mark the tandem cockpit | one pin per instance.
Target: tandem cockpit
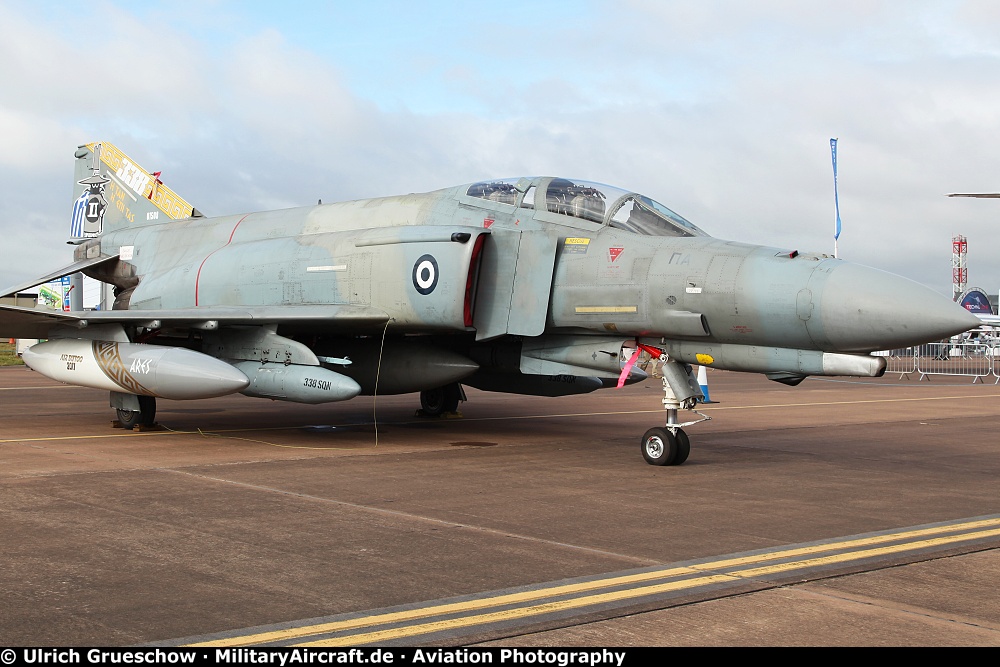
(594, 202)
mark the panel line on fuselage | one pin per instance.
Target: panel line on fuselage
(197, 277)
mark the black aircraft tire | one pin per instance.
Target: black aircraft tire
(659, 447)
(436, 402)
(683, 448)
(144, 416)
(129, 418)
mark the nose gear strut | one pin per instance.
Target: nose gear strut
(669, 445)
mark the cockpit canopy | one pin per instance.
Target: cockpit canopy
(594, 202)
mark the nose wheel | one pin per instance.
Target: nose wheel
(669, 445)
(683, 447)
(661, 447)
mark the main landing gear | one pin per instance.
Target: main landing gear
(139, 412)
(441, 401)
(669, 445)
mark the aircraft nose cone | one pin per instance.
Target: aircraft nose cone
(864, 309)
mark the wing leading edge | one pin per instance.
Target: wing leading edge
(19, 322)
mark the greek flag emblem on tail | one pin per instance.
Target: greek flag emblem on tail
(79, 213)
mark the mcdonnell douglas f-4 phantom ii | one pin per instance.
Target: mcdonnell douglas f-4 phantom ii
(536, 286)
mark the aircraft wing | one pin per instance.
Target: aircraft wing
(19, 322)
(981, 195)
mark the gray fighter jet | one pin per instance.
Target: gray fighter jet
(538, 286)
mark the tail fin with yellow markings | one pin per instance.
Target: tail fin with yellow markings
(111, 191)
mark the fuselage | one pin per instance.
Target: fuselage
(533, 286)
(588, 267)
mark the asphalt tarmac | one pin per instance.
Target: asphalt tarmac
(851, 513)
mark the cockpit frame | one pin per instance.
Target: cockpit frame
(583, 205)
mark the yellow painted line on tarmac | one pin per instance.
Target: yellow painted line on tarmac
(82, 437)
(148, 434)
(702, 408)
(481, 419)
(50, 386)
(924, 536)
(642, 591)
(88, 437)
(869, 553)
(438, 610)
(874, 400)
(850, 544)
(516, 613)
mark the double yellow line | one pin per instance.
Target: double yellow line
(568, 597)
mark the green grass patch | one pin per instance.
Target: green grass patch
(8, 355)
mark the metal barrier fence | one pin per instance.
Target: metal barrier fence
(976, 357)
(903, 362)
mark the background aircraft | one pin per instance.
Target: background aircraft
(539, 286)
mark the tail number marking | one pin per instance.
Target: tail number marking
(133, 176)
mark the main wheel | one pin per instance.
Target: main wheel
(436, 402)
(683, 448)
(659, 447)
(144, 416)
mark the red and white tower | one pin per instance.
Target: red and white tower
(959, 267)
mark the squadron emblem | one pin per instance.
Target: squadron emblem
(88, 212)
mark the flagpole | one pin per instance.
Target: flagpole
(836, 199)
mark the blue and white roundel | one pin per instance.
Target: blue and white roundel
(425, 274)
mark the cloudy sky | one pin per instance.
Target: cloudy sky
(722, 110)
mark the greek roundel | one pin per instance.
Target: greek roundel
(425, 274)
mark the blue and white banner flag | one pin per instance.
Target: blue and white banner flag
(836, 198)
(79, 208)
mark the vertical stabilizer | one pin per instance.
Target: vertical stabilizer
(111, 191)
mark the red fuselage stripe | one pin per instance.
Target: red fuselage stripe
(197, 278)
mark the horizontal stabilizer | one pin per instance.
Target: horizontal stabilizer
(75, 267)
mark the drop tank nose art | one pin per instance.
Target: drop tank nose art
(135, 368)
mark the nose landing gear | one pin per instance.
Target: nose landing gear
(661, 447)
(669, 445)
